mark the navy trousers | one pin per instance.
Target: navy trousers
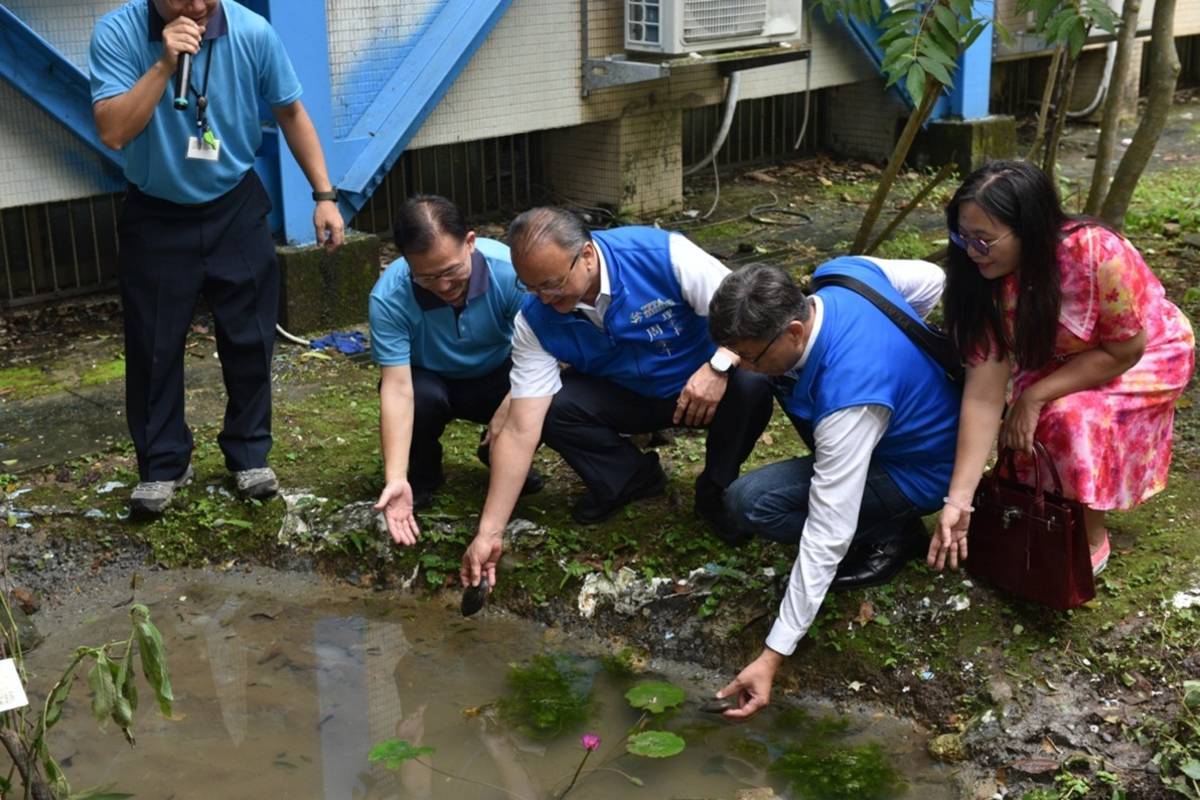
(589, 414)
(170, 256)
(436, 401)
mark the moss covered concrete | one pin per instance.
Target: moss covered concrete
(319, 291)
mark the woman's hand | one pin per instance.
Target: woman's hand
(950, 539)
(1021, 423)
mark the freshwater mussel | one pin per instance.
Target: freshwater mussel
(474, 597)
(719, 705)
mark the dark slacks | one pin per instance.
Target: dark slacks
(772, 501)
(436, 401)
(170, 255)
(589, 414)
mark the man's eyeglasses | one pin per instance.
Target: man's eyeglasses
(770, 344)
(433, 280)
(555, 288)
(978, 245)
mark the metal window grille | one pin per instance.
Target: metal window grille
(54, 250)
(763, 129)
(485, 178)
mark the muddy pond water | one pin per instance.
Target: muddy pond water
(283, 694)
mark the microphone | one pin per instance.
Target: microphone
(183, 78)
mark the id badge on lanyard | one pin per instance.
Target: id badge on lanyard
(204, 146)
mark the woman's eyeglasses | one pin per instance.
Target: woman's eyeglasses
(978, 245)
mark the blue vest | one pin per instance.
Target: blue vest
(859, 358)
(652, 340)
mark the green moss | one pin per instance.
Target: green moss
(818, 770)
(104, 372)
(548, 696)
(24, 383)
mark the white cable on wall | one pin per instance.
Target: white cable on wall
(731, 100)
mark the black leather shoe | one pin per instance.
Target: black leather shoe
(649, 482)
(533, 483)
(710, 506)
(874, 563)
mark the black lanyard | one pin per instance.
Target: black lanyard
(202, 95)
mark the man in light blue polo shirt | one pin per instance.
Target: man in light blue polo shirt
(441, 329)
(193, 221)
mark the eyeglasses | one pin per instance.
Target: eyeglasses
(555, 288)
(770, 344)
(978, 245)
(433, 280)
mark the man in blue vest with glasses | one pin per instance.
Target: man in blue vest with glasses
(877, 412)
(625, 310)
(194, 220)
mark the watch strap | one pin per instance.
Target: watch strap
(330, 195)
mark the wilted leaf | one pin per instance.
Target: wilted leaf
(104, 692)
(1191, 769)
(866, 613)
(655, 696)
(154, 657)
(655, 744)
(57, 698)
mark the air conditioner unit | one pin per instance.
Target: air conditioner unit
(687, 26)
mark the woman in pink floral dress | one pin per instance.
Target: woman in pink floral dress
(1096, 353)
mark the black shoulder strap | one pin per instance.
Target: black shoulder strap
(934, 343)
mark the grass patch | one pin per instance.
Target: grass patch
(1165, 197)
(104, 372)
(25, 383)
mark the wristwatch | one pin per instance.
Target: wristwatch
(721, 363)
(330, 195)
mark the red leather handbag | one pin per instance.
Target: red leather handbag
(1027, 541)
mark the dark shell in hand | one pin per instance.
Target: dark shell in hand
(720, 705)
(474, 597)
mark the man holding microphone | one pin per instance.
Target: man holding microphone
(194, 219)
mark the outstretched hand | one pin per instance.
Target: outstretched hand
(396, 503)
(752, 686)
(949, 541)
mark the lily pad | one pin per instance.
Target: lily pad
(394, 752)
(655, 744)
(655, 696)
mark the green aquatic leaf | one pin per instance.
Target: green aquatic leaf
(655, 696)
(655, 744)
(394, 752)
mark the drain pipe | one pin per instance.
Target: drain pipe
(1110, 58)
(731, 100)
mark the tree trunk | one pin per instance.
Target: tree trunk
(1164, 73)
(1066, 85)
(915, 120)
(1044, 108)
(1110, 125)
(20, 756)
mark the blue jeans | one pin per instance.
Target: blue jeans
(772, 502)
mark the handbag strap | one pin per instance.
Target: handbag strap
(1040, 456)
(934, 345)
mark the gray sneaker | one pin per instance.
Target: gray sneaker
(152, 497)
(257, 484)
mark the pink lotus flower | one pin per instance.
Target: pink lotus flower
(590, 741)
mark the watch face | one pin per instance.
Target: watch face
(720, 362)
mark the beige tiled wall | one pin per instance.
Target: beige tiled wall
(526, 76)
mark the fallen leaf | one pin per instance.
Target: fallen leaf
(1035, 766)
(762, 177)
(824, 181)
(866, 613)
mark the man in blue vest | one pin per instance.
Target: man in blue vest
(625, 310)
(441, 329)
(878, 414)
(194, 220)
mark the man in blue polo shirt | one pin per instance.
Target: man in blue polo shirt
(441, 329)
(878, 414)
(194, 220)
(625, 309)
